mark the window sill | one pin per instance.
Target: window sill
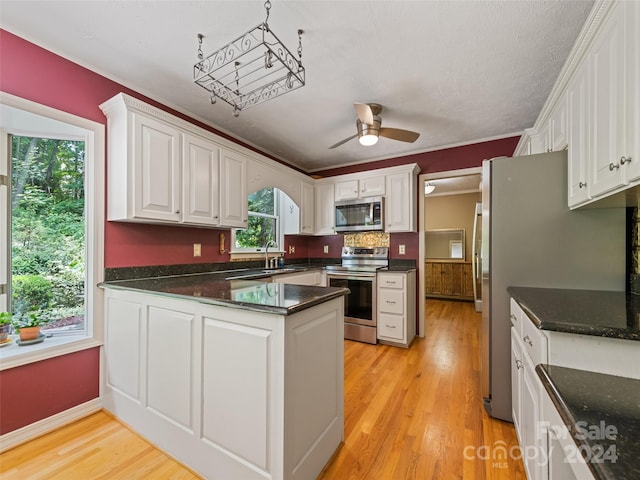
(13, 355)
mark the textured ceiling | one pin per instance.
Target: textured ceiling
(455, 71)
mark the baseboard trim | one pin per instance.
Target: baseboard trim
(46, 425)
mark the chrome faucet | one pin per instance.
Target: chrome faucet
(270, 243)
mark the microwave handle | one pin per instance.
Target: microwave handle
(371, 212)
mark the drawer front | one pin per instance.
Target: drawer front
(517, 316)
(391, 301)
(391, 281)
(535, 342)
(391, 326)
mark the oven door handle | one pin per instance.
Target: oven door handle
(352, 276)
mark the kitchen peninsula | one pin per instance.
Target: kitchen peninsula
(235, 378)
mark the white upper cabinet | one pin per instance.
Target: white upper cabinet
(156, 162)
(400, 202)
(307, 209)
(200, 179)
(164, 170)
(558, 126)
(607, 62)
(233, 189)
(325, 211)
(360, 188)
(631, 149)
(578, 136)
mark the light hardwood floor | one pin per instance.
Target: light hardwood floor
(409, 414)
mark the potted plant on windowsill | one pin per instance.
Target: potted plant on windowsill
(28, 325)
(5, 326)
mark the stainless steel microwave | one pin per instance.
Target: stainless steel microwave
(360, 215)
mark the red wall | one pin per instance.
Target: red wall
(39, 390)
(74, 89)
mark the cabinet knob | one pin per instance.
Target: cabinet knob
(518, 364)
(582, 184)
(624, 160)
(613, 166)
(513, 317)
(178, 211)
(528, 340)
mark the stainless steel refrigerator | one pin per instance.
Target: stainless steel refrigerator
(531, 238)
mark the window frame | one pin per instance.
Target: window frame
(93, 134)
(279, 237)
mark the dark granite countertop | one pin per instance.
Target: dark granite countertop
(602, 413)
(233, 289)
(588, 312)
(398, 268)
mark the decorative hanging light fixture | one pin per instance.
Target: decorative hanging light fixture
(253, 68)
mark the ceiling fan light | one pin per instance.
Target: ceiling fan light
(368, 140)
(428, 188)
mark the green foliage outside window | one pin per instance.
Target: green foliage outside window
(47, 226)
(262, 221)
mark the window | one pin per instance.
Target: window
(52, 225)
(272, 215)
(263, 222)
(46, 211)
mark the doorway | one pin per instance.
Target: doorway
(445, 186)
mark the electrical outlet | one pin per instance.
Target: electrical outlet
(197, 250)
(401, 250)
(292, 249)
(326, 249)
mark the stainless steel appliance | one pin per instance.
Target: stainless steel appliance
(360, 215)
(358, 274)
(531, 238)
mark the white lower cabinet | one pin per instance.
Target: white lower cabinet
(396, 307)
(564, 459)
(206, 383)
(316, 278)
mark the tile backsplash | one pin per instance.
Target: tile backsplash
(367, 239)
(633, 245)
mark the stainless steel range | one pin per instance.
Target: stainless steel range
(358, 274)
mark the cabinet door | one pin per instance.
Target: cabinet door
(346, 190)
(200, 181)
(631, 150)
(607, 62)
(558, 125)
(529, 420)
(156, 158)
(371, 187)
(400, 203)
(233, 190)
(432, 278)
(467, 280)
(579, 138)
(325, 209)
(307, 209)
(516, 380)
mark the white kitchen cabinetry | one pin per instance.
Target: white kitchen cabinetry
(315, 278)
(200, 181)
(558, 126)
(400, 203)
(163, 170)
(607, 61)
(564, 459)
(578, 136)
(360, 188)
(396, 307)
(528, 348)
(307, 209)
(206, 383)
(325, 209)
(233, 189)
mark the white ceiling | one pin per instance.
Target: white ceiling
(455, 71)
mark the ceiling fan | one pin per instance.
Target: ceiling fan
(369, 129)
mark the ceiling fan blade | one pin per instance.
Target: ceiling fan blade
(343, 141)
(399, 134)
(363, 110)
